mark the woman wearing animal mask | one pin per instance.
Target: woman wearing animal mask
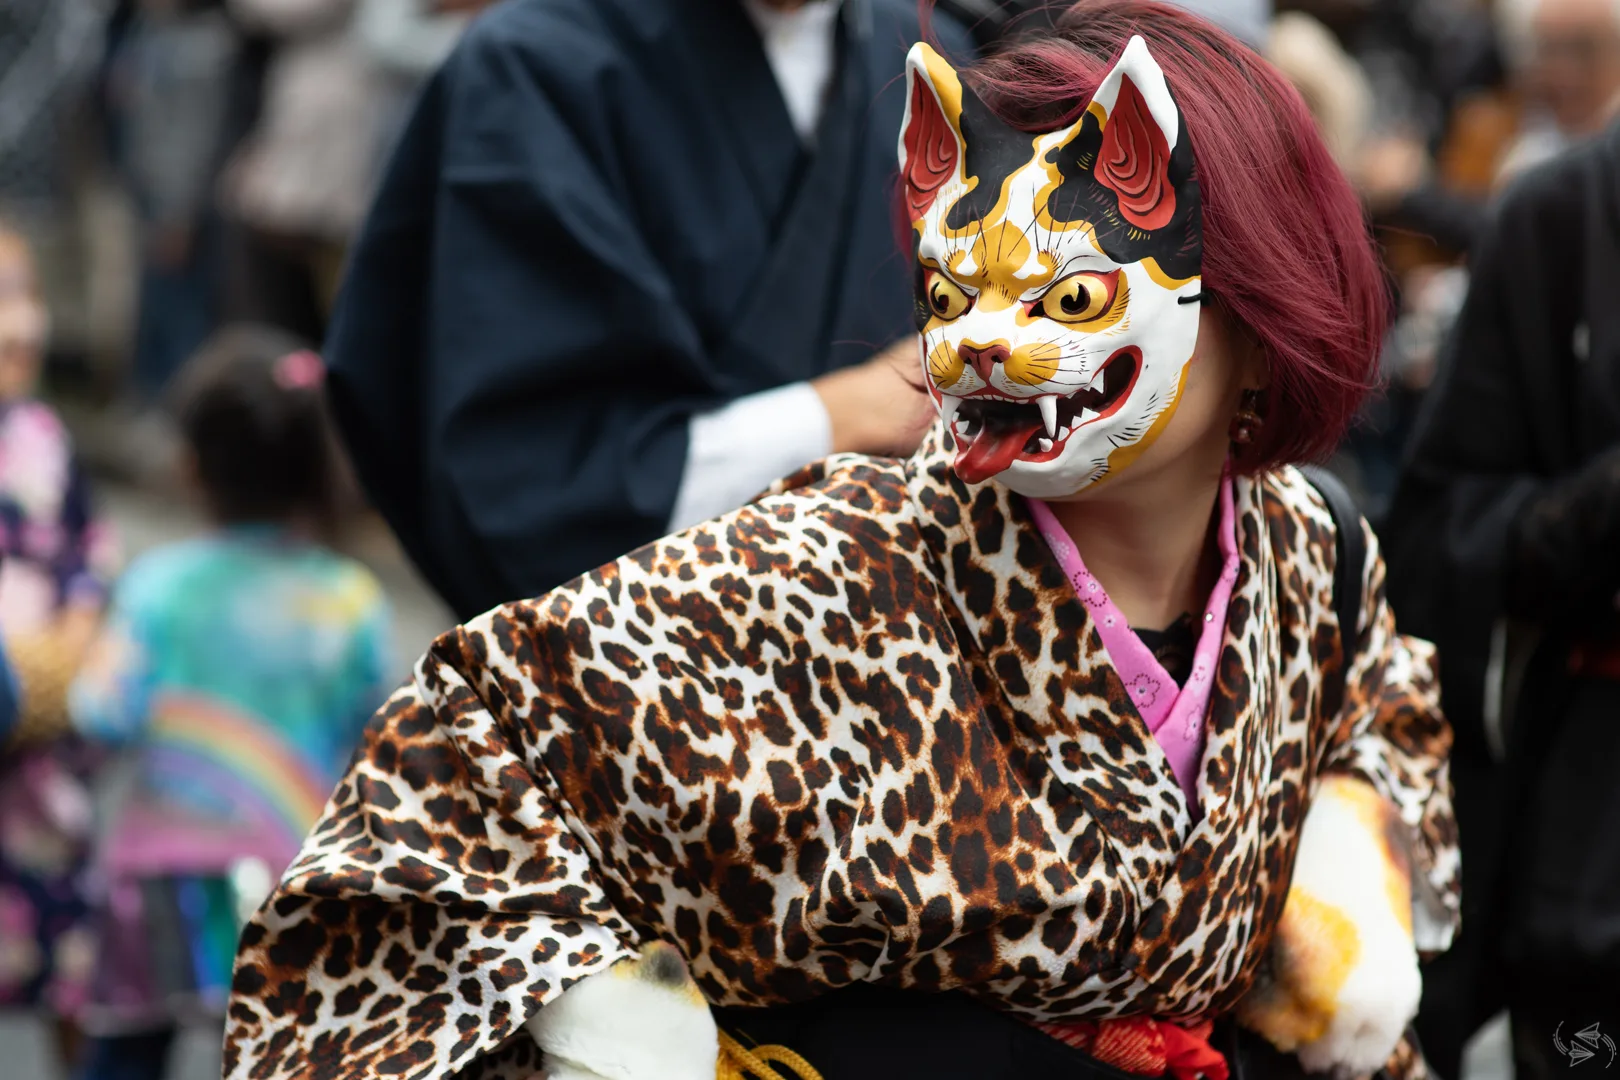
(1081, 742)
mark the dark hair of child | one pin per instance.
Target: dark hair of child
(251, 410)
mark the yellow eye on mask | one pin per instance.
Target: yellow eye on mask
(1079, 297)
(945, 298)
(1058, 272)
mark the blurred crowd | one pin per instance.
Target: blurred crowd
(180, 182)
(177, 183)
(237, 142)
(180, 165)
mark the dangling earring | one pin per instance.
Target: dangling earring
(1248, 419)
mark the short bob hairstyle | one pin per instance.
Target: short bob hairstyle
(1287, 252)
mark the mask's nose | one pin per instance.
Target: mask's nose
(984, 357)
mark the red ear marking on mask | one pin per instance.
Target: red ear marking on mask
(931, 150)
(1134, 162)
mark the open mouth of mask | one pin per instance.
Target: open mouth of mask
(994, 430)
(1058, 282)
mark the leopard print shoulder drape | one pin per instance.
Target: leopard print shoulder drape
(861, 729)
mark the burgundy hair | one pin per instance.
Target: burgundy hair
(1287, 254)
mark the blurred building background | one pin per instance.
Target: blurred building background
(182, 164)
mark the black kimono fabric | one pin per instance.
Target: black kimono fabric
(600, 221)
(1508, 511)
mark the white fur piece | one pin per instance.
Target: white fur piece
(1345, 981)
(638, 1020)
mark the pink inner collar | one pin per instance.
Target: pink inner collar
(1175, 715)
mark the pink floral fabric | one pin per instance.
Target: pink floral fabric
(1174, 714)
(53, 553)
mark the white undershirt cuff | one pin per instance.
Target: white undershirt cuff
(735, 452)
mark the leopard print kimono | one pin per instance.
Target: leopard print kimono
(861, 729)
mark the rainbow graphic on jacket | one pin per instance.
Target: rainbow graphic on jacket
(236, 762)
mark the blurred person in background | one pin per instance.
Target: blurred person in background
(1420, 56)
(55, 564)
(46, 46)
(169, 95)
(631, 262)
(1330, 80)
(1568, 56)
(296, 187)
(56, 554)
(1504, 549)
(48, 51)
(1428, 63)
(407, 40)
(1342, 100)
(9, 704)
(1550, 77)
(992, 21)
(237, 669)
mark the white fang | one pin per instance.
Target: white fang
(1048, 406)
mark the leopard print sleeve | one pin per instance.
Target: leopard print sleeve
(425, 919)
(1390, 732)
(660, 749)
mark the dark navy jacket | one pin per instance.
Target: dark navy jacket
(598, 222)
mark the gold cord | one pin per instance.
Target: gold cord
(738, 1062)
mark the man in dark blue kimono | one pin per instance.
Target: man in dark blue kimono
(632, 260)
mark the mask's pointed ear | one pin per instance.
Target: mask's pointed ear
(1141, 129)
(931, 145)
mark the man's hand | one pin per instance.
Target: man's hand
(878, 407)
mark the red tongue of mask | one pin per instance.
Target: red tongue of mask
(993, 449)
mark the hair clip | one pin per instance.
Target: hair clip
(1195, 298)
(301, 370)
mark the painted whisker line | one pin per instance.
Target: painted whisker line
(1052, 311)
(1024, 234)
